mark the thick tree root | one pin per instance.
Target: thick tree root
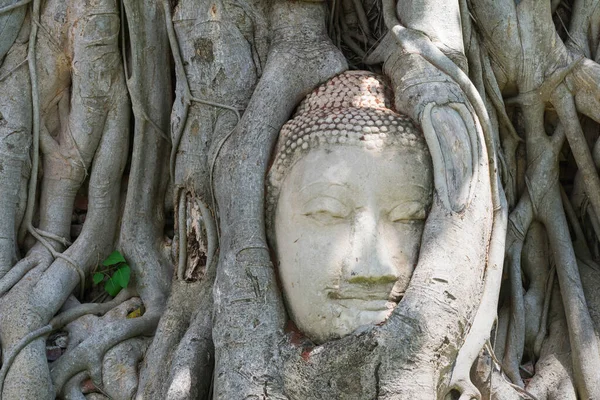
(88, 356)
(120, 368)
(483, 322)
(73, 387)
(414, 42)
(57, 323)
(35, 100)
(33, 260)
(302, 48)
(16, 349)
(179, 312)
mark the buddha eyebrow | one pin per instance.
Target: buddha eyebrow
(325, 185)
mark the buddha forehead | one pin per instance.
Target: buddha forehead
(389, 170)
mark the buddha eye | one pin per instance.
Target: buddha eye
(325, 209)
(408, 213)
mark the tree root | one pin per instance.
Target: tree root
(13, 6)
(73, 387)
(120, 368)
(57, 323)
(16, 67)
(547, 206)
(414, 42)
(16, 273)
(35, 100)
(564, 103)
(481, 328)
(183, 302)
(16, 349)
(89, 354)
(519, 222)
(543, 329)
(56, 282)
(499, 366)
(187, 98)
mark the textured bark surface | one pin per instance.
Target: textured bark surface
(147, 127)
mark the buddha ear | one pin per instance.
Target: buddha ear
(451, 135)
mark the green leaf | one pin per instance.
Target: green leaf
(98, 277)
(122, 275)
(112, 287)
(113, 259)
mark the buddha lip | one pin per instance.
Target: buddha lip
(362, 293)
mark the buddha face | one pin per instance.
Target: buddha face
(348, 227)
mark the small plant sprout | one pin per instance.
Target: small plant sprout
(114, 273)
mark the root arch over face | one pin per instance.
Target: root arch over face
(505, 92)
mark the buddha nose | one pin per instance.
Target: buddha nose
(371, 259)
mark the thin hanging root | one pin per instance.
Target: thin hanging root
(362, 17)
(57, 323)
(484, 319)
(493, 93)
(11, 7)
(9, 73)
(349, 41)
(547, 89)
(415, 42)
(211, 169)
(579, 241)
(215, 104)
(65, 318)
(48, 235)
(564, 103)
(182, 79)
(584, 344)
(520, 390)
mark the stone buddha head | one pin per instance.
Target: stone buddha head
(348, 193)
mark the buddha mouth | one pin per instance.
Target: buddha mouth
(381, 292)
